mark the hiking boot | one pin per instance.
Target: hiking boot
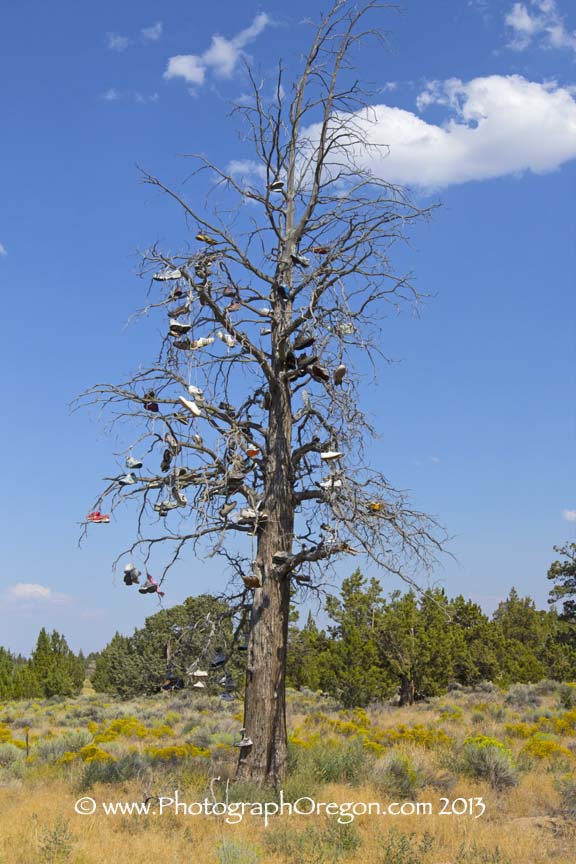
(132, 462)
(131, 574)
(306, 360)
(191, 406)
(179, 497)
(219, 660)
(339, 373)
(206, 238)
(281, 557)
(226, 509)
(183, 344)
(252, 581)
(302, 341)
(180, 310)
(173, 444)
(319, 373)
(150, 586)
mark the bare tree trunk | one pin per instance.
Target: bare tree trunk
(407, 690)
(265, 761)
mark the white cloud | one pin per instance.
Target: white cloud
(569, 515)
(3, 251)
(541, 21)
(26, 592)
(115, 42)
(153, 33)
(245, 168)
(499, 125)
(113, 95)
(221, 57)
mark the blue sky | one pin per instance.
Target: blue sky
(477, 103)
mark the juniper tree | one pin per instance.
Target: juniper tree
(251, 406)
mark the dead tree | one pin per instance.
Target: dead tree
(252, 401)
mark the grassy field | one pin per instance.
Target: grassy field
(514, 750)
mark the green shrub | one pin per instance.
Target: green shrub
(567, 696)
(523, 696)
(398, 848)
(318, 844)
(396, 775)
(487, 759)
(567, 789)
(126, 768)
(10, 755)
(55, 844)
(237, 852)
(52, 749)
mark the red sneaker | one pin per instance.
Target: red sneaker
(98, 517)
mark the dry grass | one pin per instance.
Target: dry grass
(337, 757)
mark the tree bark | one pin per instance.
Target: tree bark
(407, 690)
(265, 761)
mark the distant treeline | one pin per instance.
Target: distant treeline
(374, 646)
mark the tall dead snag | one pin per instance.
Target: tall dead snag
(252, 403)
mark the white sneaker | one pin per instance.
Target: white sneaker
(330, 483)
(339, 373)
(127, 480)
(178, 328)
(203, 342)
(199, 685)
(163, 506)
(132, 462)
(194, 391)
(191, 406)
(328, 455)
(167, 275)
(345, 329)
(227, 338)
(265, 310)
(276, 186)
